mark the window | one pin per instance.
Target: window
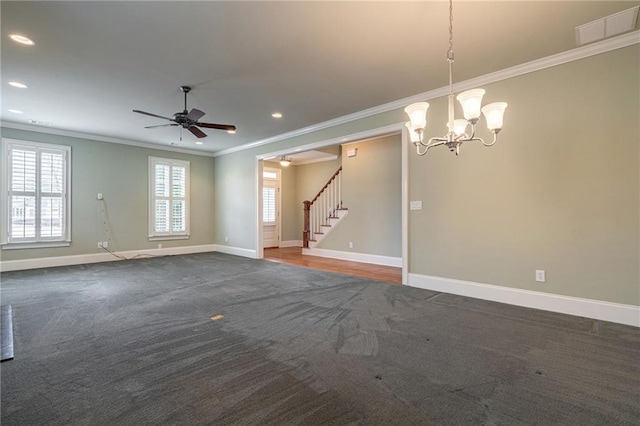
(168, 198)
(36, 186)
(268, 204)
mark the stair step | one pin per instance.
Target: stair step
(318, 233)
(343, 208)
(326, 226)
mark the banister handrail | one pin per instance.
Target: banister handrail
(329, 202)
(327, 184)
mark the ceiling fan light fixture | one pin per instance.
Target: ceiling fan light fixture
(188, 119)
(231, 132)
(277, 115)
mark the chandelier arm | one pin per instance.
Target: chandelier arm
(421, 153)
(495, 139)
(473, 130)
(435, 141)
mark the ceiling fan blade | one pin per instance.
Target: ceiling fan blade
(161, 125)
(217, 126)
(195, 114)
(152, 115)
(197, 132)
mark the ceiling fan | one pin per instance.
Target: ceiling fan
(188, 119)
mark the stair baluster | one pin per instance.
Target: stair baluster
(319, 211)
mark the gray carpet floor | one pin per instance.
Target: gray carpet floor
(132, 343)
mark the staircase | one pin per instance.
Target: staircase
(324, 212)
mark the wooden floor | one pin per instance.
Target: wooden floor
(294, 256)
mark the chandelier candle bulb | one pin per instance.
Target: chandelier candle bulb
(417, 115)
(471, 100)
(415, 138)
(494, 114)
(459, 126)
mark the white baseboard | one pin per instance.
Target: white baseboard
(81, 259)
(237, 251)
(356, 257)
(291, 243)
(589, 308)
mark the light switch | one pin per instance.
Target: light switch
(415, 205)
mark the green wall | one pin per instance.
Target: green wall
(120, 173)
(560, 191)
(371, 190)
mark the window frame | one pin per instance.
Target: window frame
(170, 235)
(8, 242)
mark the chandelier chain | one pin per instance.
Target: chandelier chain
(450, 52)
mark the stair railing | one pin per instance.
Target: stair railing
(322, 207)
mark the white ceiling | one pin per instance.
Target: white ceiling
(94, 62)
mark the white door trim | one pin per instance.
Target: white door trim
(392, 129)
(278, 181)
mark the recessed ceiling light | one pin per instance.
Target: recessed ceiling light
(15, 111)
(231, 132)
(17, 84)
(199, 143)
(41, 123)
(21, 39)
(276, 115)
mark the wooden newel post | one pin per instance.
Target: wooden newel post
(305, 232)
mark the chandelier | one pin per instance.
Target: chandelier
(471, 102)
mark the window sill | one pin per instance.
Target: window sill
(169, 237)
(27, 246)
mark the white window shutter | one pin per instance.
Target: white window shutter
(36, 192)
(169, 197)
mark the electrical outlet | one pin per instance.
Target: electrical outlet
(540, 276)
(159, 245)
(350, 244)
(226, 239)
(105, 244)
(99, 196)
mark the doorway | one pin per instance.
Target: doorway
(271, 207)
(397, 128)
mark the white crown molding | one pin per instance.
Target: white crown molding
(582, 52)
(588, 308)
(356, 257)
(83, 259)
(99, 138)
(359, 136)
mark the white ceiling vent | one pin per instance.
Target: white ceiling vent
(611, 25)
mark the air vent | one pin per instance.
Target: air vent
(609, 26)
